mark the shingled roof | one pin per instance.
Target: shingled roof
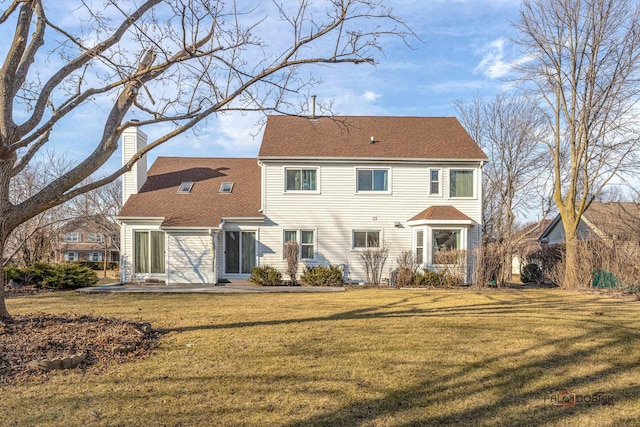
(203, 206)
(368, 137)
(440, 213)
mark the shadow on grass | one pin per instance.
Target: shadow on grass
(518, 398)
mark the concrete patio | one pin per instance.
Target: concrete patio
(238, 287)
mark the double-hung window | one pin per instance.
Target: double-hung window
(434, 182)
(149, 251)
(306, 242)
(71, 256)
(461, 183)
(366, 239)
(372, 180)
(72, 237)
(301, 179)
(95, 237)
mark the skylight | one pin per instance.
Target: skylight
(185, 187)
(226, 187)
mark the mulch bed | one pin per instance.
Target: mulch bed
(44, 336)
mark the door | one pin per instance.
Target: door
(240, 252)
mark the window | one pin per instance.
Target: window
(95, 237)
(434, 182)
(149, 251)
(226, 187)
(72, 237)
(419, 246)
(301, 180)
(307, 242)
(372, 180)
(461, 183)
(71, 256)
(366, 239)
(95, 256)
(185, 187)
(446, 244)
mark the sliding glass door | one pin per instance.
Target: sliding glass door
(240, 252)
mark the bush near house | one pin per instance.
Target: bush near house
(266, 276)
(531, 273)
(323, 276)
(60, 277)
(428, 278)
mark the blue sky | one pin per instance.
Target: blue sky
(465, 50)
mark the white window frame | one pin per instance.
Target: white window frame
(226, 188)
(67, 256)
(473, 184)
(439, 192)
(95, 237)
(363, 230)
(299, 241)
(372, 191)
(420, 243)
(73, 237)
(301, 168)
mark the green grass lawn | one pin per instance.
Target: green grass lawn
(361, 357)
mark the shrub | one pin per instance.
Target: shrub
(69, 276)
(11, 272)
(266, 276)
(323, 276)
(427, 278)
(531, 273)
(291, 252)
(58, 277)
(407, 267)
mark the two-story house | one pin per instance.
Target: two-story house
(337, 186)
(84, 239)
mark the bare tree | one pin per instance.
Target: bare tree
(582, 67)
(168, 61)
(507, 128)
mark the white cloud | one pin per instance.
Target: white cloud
(493, 64)
(370, 96)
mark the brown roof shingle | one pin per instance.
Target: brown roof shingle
(428, 138)
(441, 213)
(204, 206)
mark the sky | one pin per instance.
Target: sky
(463, 50)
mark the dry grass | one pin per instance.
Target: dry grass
(362, 357)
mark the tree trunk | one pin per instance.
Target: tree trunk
(571, 259)
(4, 314)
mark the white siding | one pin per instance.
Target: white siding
(338, 209)
(190, 258)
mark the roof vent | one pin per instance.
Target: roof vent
(226, 187)
(185, 187)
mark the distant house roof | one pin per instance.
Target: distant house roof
(610, 219)
(368, 137)
(204, 205)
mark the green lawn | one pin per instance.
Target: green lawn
(361, 357)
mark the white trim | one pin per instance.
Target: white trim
(440, 179)
(380, 232)
(298, 232)
(366, 160)
(419, 222)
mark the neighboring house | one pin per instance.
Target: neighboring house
(527, 243)
(337, 186)
(84, 240)
(610, 221)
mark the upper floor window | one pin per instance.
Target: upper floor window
(95, 237)
(372, 180)
(366, 239)
(301, 179)
(72, 237)
(434, 182)
(461, 183)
